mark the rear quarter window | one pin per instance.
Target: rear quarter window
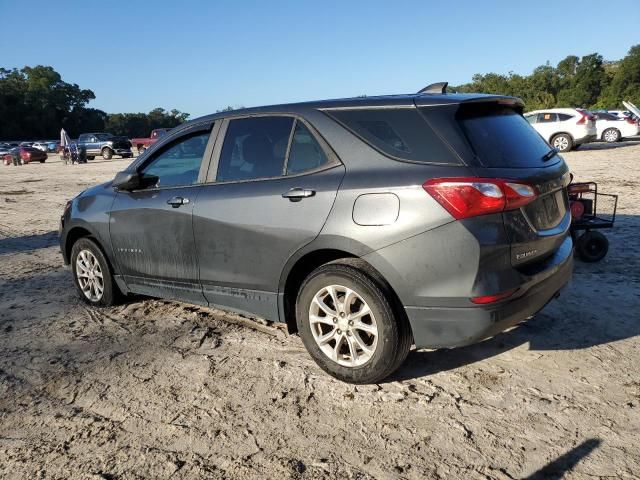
(401, 133)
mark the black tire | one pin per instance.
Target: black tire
(111, 295)
(141, 150)
(611, 135)
(562, 141)
(592, 246)
(394, 333)
(107, 153)
(90, 157)
(42, 161)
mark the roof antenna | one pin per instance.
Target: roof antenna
(440, 87)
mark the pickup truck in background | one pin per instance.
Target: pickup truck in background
(141, 144)
(104, 144)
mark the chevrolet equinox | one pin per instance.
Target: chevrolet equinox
(366, 224)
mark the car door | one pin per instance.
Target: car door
(547, 125)
(151, 229)
(271, 193)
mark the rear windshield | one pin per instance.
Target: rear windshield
(400, 133)
(501, 137)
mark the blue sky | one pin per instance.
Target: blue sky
(199, 56)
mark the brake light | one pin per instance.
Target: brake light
(493, 298)
(630, 120)
(584, 118)
(24, 154)
(473, 196)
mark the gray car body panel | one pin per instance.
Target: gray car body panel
(235, 244)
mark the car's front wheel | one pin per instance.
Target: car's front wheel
(611, 135)
(107, 153)
(92, 275)
(348, 324)
(562, 142)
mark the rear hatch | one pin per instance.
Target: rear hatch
(495, 141)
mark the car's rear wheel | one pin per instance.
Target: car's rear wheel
(107, 153)
(92, 274)
(562, 142)
(611, 135)
(42, 161)
(347, 322)
(90, 157)
(141, 149)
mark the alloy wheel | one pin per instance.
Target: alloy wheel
(343, 325)
(561, 143)
(89, 275)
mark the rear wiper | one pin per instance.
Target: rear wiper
(550, 154)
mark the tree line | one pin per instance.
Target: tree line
(588, 82)
(35, 103)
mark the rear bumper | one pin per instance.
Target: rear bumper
(436, 327)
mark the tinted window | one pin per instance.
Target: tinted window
(531, 118)
(400, 133)
(501, 137)
(564, 117)
(605, 116)
(254, 148)
(179, 163)
(305, 153)
(547, 117)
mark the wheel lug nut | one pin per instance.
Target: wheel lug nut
(335, 320)
(342, 314)
(349, 333)
(351, 323)
(339, 332)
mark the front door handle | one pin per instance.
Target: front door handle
(297, 194)
(175, 202)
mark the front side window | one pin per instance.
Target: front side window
(305, 153)
(254, 148)
(179, 163)
(531, 118)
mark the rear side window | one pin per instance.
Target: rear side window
(401, 133)
(563, 117)
(501, 137)
(254, 148)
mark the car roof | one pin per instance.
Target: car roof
(421, 99)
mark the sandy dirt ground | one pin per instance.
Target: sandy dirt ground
(159, 389)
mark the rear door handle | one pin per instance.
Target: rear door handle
(297, 194)
(176, 202)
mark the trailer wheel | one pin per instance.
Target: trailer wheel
(592, 246)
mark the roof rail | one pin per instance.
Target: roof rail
(440, 87)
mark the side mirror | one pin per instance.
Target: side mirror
(128, 181)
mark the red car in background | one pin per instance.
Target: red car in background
(25, 155)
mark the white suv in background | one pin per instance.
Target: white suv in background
(564, 128)
(612, 129)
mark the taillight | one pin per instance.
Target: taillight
(472, 196)
(630, 120)
(584, 118)
(25, 155)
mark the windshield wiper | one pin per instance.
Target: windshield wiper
(550, 154)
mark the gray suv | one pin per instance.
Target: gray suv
(366, 224)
